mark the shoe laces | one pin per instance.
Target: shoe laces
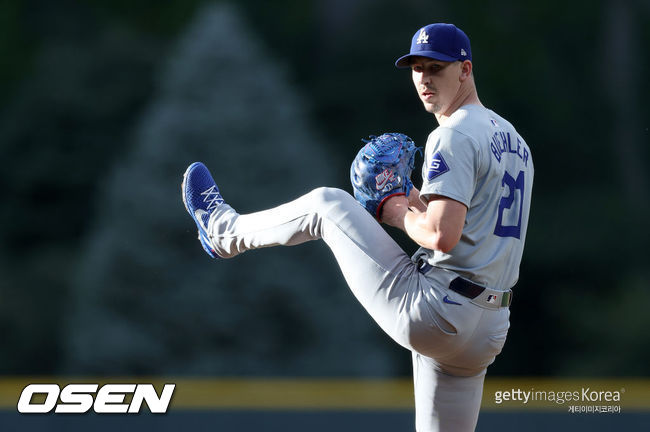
(212, 197)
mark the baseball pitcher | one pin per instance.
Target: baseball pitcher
(449, 303)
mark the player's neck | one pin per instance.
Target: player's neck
(466, 96)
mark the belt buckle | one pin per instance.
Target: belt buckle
(506, 299)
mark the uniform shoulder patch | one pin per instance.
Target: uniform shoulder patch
(438, 166)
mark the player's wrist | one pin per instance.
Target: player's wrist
(393, 211)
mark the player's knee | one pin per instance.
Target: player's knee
(325, 198)
(329, 194)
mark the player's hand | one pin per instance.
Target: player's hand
(415, 203)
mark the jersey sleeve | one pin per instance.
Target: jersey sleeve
(450, 166)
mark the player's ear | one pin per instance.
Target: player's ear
(465, 70)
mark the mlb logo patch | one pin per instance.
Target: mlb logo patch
(492, 299)
(438, 166)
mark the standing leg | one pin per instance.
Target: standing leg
(448, 389)
(444, 402)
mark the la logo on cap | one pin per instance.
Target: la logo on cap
(423, 37)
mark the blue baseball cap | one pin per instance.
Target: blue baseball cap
(439, 41)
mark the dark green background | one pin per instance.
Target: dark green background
(100, 269)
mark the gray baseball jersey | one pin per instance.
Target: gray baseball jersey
(477, 158)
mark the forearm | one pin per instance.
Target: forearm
(419, 230)
(437, 228)
(396, 208)
(399, 212)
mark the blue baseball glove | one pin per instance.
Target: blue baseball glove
(382, 169)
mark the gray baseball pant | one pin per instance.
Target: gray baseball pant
(451, 344)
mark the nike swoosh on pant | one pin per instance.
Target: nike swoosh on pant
(448, 301)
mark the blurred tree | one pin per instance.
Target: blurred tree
(62, 126)
(622, 80)
(148, 300)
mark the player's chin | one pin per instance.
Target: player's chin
(432, 108)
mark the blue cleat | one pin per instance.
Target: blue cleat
(201, 197)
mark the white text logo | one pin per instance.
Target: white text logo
(80, 398)
(558, 397)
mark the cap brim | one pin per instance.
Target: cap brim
(405, 61)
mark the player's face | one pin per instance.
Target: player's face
(436, 82)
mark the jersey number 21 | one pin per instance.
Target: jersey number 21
(506, 203)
